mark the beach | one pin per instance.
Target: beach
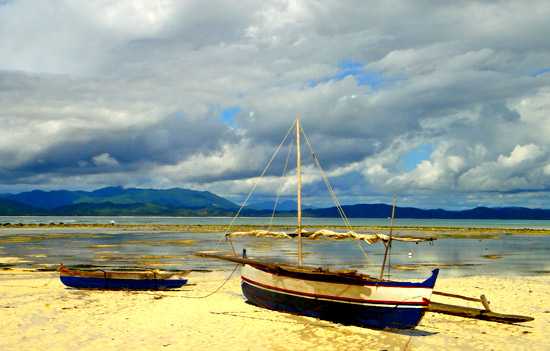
(39, 313)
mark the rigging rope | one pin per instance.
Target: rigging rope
(280, 190)
(345, 219)
(330, 189)
(256, 185)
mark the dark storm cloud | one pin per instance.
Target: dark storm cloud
(168, 141)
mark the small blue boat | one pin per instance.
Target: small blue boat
(130, 280)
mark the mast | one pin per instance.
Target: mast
(388, 244)
(299, 190)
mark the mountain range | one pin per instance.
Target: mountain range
(119, 201)
(113, 201)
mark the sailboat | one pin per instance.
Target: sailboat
(343, 296)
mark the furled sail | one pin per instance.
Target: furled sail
(329, 234)
(260, 233)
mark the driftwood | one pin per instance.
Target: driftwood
(469, 312)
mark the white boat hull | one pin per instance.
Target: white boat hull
(371, 304)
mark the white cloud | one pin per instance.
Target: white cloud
(105, 160)
(520, 154)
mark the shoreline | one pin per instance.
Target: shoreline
(435, 231)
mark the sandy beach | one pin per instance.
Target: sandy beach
(39, 313)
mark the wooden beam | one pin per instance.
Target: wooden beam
(485, 302)
(468, 312)
(456, 296)
(299, 192)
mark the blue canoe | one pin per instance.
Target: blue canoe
(131, 280)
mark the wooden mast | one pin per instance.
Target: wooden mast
(299, 191)
(388, 244)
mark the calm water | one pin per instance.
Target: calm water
(508, 255)
(475, 223)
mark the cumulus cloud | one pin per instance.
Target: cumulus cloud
(520, 154)
(104, 160)
(132, 92)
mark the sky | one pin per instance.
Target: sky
(442, 103)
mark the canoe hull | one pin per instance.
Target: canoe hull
(393, 306)
(131, 284)
(133, 280)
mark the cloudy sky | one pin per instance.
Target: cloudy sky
(444, 103)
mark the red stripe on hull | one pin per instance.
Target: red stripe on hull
(425, 302)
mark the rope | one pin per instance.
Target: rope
(256, 184)
(341, 212)
(280, 189)
(330, 189)
(217, 289)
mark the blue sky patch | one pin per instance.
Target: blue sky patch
(228, 115)
(541, 71)
(355, 69)
(411, 159)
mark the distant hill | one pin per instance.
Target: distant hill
(116, 201)
(384, 211)
(136, 209)
(175, 197)
(47, 199)
(14, 208)
(119, 201)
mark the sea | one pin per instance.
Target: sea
(44, 249)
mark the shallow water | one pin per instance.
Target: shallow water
(463, 223)
(507, 255)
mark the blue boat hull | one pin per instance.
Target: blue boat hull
(399, 317)
(132, 284)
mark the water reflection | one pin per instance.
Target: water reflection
(168, 250)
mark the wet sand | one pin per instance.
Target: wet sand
(39, 313)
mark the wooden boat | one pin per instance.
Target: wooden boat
(132, 280)
(346, 297)
(343, 296)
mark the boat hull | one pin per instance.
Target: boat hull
(133, 280)
(131, 284)
(374, 306)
